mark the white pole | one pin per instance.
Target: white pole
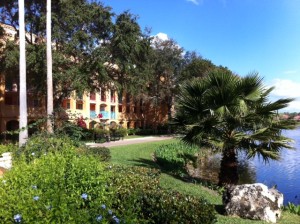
(49, 70)
(23, 135)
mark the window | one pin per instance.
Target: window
(120, 109)
(79, 105)
(92, 96)
(127, 109)
(66, 104)
(103, 95)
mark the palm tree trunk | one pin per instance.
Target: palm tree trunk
(49, 70)
(229, 168)
(23, 135)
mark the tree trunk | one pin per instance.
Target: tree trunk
(229, 168)
(49, 70)
(23, 91)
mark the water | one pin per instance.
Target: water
(285, 174)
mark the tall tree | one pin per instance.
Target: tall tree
(129, 48)
(23, 135)
(228, 114)
(49, 70)
(81, 31)
(166, 65)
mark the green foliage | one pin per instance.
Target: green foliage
(224, 111)
(101, 153)
(101, 131)
(56, 188)
(175, 156)
(138, 191)
(72, 130)
(292, 208)
(100, 135)
(227, 113)
(7, 148)
(43, 144)
(122, 132)
(132, 131)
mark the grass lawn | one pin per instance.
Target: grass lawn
(141, 155)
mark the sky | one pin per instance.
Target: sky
(246, 36)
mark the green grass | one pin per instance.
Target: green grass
(142, 155)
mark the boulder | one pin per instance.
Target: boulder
(253, 201)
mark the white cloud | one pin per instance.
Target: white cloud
(294, 106)
(196, 2)
(162, 36)
(285, 88)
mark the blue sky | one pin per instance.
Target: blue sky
(244, 35)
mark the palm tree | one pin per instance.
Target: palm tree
(23, 135)
(49, 70)
(227, 114)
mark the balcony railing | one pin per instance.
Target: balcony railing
(93, 114)
(112, 115)
(105, 114)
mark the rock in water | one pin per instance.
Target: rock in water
(253, 201)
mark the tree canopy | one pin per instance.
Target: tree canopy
(228, 113)
(86, 43)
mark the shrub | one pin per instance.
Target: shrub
(73, 131)
(42, 144)
(7, 148)
(100, 135)
(56, 188)
(174, 157)
(122, 132)
(137, 192)
(101, 153)
(132, 131)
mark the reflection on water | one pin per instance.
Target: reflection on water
(284, 174)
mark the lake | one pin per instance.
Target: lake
(285, 174)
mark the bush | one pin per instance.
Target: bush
(43, 144)
(137, 192)
(101, 135)
(101, 153)
(174, 157)
(72, 130)
(7, 148)
(56, 188)
(122, 132)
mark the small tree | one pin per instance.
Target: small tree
(228, 113)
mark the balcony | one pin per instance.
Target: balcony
(93, 114)
(112, 115)
(105, 114)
